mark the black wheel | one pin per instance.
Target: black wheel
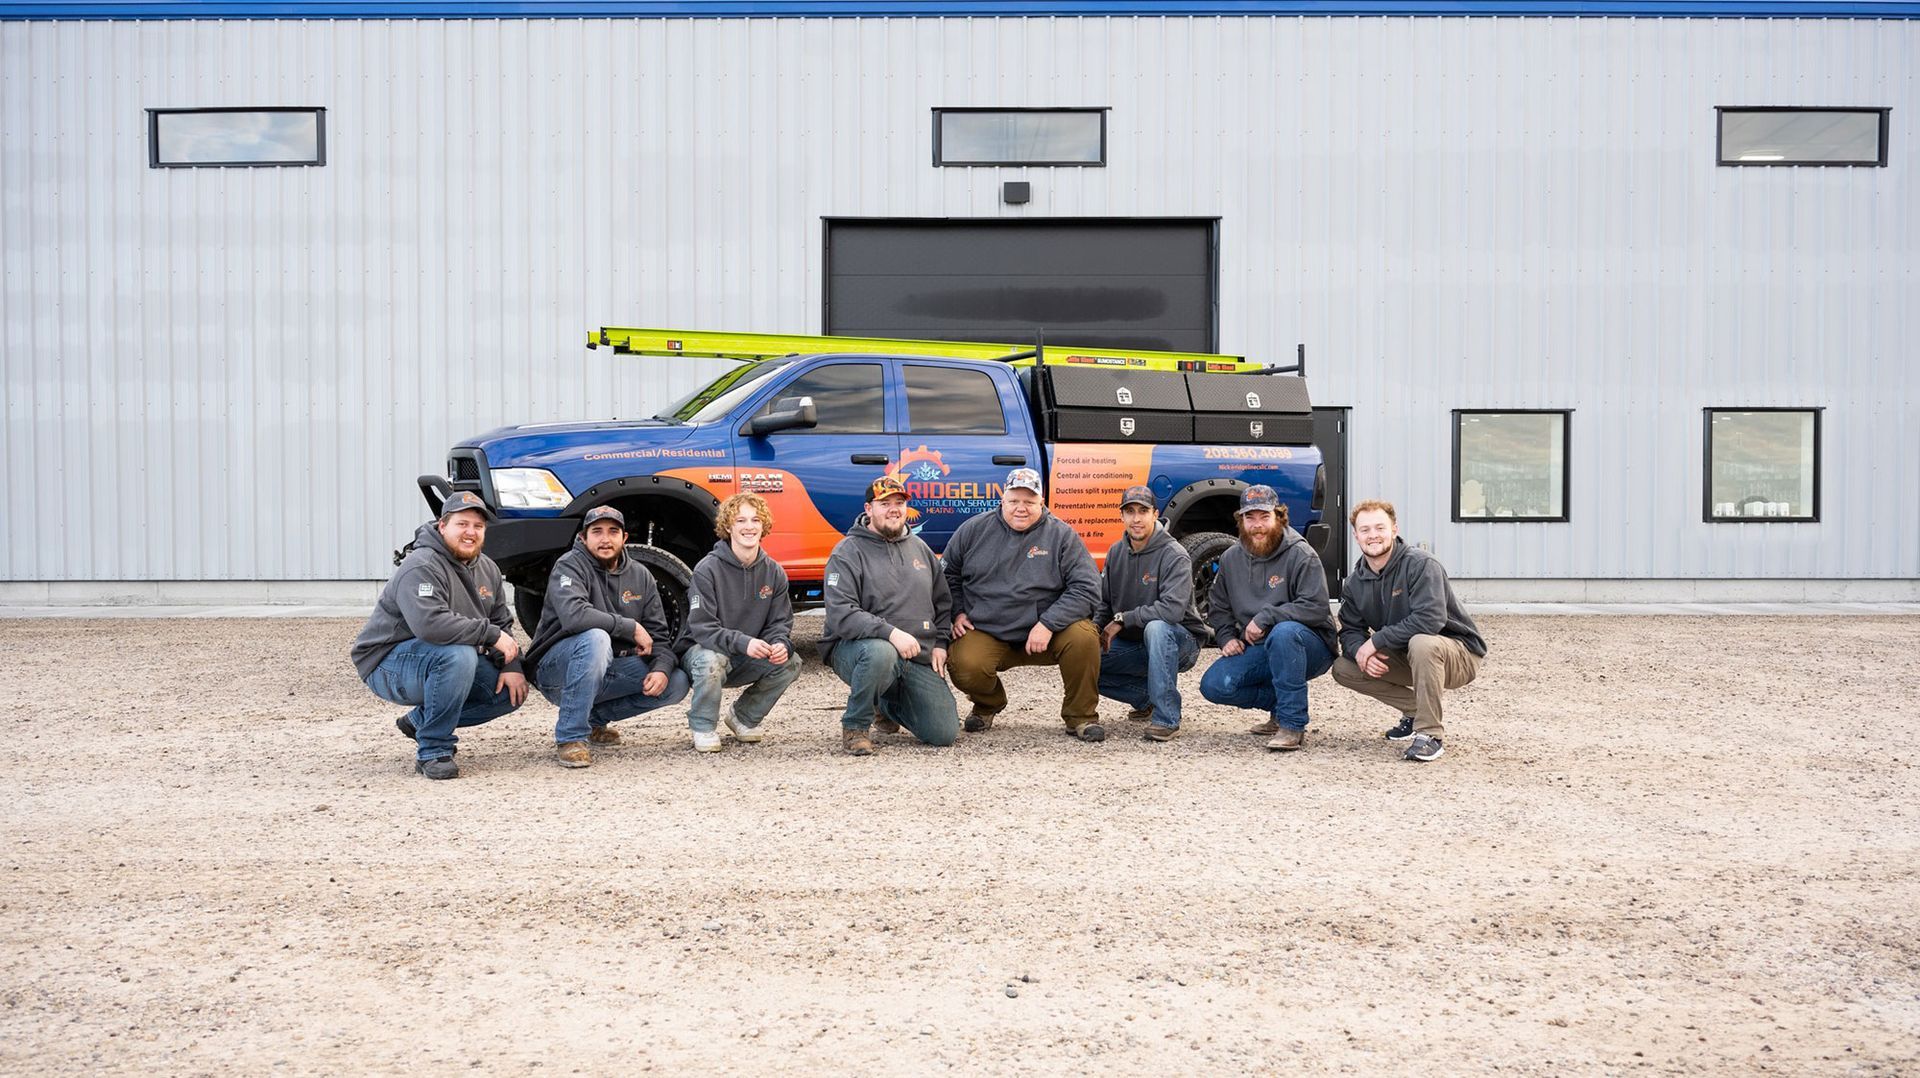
(1205, 549)
(673, 578)
(526, 606)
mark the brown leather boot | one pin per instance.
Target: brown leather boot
(1287, 740)
(856, 742)
(604, 735)
(1265, 729)
(572, 754)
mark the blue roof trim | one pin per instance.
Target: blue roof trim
(501, 9)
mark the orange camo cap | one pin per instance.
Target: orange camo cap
(885, 487)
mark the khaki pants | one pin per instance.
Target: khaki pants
(1414, 681)
(975, 660)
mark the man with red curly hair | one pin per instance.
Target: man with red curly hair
(739, 627)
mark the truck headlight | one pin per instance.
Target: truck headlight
(529, 488)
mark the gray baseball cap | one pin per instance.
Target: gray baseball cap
(462, 500)
(1139, 495)
(600, 513)
(1259, 496)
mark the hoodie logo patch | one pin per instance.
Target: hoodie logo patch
(693, 601)
(1037, 552)
(918, 565)
(485, 592)
(1399, 591)
(766, 591)
(426, 591)
(926, 626)
(1147, 578)
(833, 580)
(630, 597)
(1273, 581)
(566, 581)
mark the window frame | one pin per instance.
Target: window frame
(940, 111)
(1719, 138)
(1706, 467)
(319, 159)
(1566, 466)
(907, 424)
(766, 404)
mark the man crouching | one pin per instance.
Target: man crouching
(441, 637)
(598, 653)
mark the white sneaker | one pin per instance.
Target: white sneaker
(746, 735)
(706, 741)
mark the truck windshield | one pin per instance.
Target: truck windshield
(718, 397)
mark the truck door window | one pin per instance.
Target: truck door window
(948, 400)
(846, 395)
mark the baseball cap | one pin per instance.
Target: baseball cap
(1258, 496)
(461, 500)
(600, 513)
(885, 487)
(1139, 495)
(1023, 479)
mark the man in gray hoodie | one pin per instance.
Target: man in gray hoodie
(1406, 639)
(441, 637)
(889, 620)
(1272, 620)
(1148, 627)
(597, 653)
(1024, 591)
(739, 627)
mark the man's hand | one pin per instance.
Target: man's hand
(1107, 634)
(1038, 639)
(940, 661)
(777, 654)
(1369, 661)
(1254, 632)
(655, 684)
(642, 642)
(507, 646)
(515, 686)
(759, 649)
(1233, 647)
(962, 625)
(904, 643)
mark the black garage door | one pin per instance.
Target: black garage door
(1100, 283)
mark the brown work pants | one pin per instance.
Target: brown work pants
(1415, 681)
(976, 659)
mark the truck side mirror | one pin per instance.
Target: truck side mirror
(787, 414)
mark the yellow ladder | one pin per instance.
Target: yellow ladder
(626, 340)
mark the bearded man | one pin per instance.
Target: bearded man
(1272, 620)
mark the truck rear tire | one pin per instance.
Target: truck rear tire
(670, 574)
(1205, 549)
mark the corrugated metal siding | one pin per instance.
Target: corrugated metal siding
(235, 374)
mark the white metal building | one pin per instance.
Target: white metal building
(220, 382)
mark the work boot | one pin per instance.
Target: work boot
(884, 725)
(572, 754)
(1088, 731)
(979, 721)
(1265, 729)
(1157, 732)
(604, 735)
(440, 768)
(1140, 714)
(1287, 740)
(856, 742)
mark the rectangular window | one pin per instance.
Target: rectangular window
(1796, 136)
(1763, 464)
(964, 137)
(1510, 466)
(227, 138)
(847, 397)
(947, 400)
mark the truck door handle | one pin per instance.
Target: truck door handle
(1009, 459)
(869, 458)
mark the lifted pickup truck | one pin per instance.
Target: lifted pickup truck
(808, 422)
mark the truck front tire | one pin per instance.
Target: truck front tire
(670, 574)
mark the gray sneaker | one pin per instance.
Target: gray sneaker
(1425, 748)
(442, 768)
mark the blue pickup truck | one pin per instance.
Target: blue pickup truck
(809, 431)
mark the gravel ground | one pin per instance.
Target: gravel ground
(1677, 844)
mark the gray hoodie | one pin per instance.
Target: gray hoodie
(1153, 584)
(731, 604)
(1289, 584)
(875, 585)
(1408, 597)
(582, 595)
(436, 597)
(1005, 581)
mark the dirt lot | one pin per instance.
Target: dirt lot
(1678, 844)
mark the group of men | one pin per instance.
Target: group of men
(1016, 587)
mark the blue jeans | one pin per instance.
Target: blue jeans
(712, 671)
(447, 685)
(907, 692)
(1272, 675)
(1162, 653)
(592, 688)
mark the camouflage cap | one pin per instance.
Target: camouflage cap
(886, 487)
(1258, 497)
(1139, 495)
(603, 512)
(1023, 479)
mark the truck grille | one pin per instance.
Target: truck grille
(463, 469)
